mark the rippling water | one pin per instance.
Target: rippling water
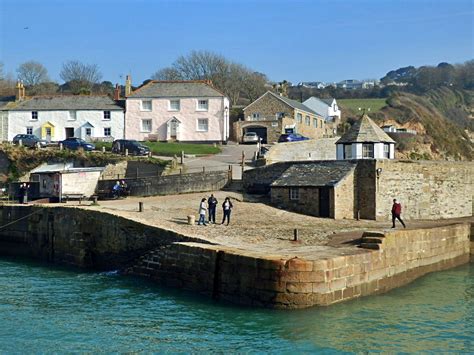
(45, 309)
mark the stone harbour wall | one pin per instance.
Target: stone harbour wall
(248, 278)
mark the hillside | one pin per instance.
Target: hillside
(441, 117)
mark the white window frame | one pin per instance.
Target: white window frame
(72, 115)
(29, 130)
(198, 125)
(107, 113)
(34, 116)
(386, 150)
(366, 150)
(294, 193)
(307, 120)
(315, 122)
(256, 116)
(143, 108)
(110, 132)
(198, 105)
(170, 107)
(90, 130)
(299, 117)
(144, 129)
(347, 148)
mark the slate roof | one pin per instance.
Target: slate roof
(5, 100)
(293, 103)
(365, 130)
(327, 101)
(176, 89)
(69, 102)
(316, 174)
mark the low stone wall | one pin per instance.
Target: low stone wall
(254, 279)
(172, 184)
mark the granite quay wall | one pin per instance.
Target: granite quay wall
(73, 236)
(257, 279)
(172, 184)
(426, 189)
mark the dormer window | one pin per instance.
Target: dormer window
(34, 115)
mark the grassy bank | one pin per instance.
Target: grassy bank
(169, 149)
(354, 104)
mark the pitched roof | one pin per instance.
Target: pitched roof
(293, 103)
(69, 102)
(327, 101)
(5, 100)
(176, 89)
(365, 130)
(315, 174)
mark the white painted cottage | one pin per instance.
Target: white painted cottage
(365, 140)
(55, 118)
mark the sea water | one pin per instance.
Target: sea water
(55, 310)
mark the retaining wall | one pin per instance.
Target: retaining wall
(261, 280)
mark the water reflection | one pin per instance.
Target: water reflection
(43, 309)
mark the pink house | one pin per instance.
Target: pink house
(186, 111)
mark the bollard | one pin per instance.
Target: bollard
(204, 170)
(61, 146)
(191, 220)
(20, 142)
(295, 235)
(94, 200)
(140, 207)
(126, 152)
(103, 149)
(182, 157)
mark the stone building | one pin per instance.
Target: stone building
(327, 108)
(272, 115)
(323, 190)
(365, 188)
(365, 140)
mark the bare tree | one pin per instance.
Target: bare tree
(167, 74)
(80, 76)
(32, 73)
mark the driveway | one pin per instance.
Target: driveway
(231, 154)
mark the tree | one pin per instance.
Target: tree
(233, 79)
(80, 76)
(32, 73)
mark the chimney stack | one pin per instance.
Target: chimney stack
(117, 92)
(128, 86)
(20, 91)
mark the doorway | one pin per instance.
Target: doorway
(324, 201)
(48, 134)
(69, 132)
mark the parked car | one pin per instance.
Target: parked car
(292, 137)
(77, 143)
(134, 147)
(250, 137)
(29, 140)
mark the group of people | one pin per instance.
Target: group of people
(120, 189)
(209, 207)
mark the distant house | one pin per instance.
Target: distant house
(389, 128)
(271, 115)
(186, 111)
(352, 84)
(312, 84)
(56, 118)
(327, 108)
(365, 140)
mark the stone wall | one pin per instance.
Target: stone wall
(342, 205)
(130, 169)
(308, 202)
(426, 189)
(257, 279)
(73, 236)
(172, 184)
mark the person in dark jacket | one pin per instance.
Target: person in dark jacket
(211, 205)
(227, 209)
(21, 192)
(396, 211)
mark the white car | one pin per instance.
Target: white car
(250, 137)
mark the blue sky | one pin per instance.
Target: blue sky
(299, 40)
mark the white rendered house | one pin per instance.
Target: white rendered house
(365, 140)
(55, 118)
(186, 111)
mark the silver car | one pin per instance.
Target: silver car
(250, 137)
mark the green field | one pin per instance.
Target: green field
(354, 104)
(170, 149)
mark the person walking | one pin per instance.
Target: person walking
(396, 211)
(227, 209)
(212, 204)
(21, 193)
(202, 212)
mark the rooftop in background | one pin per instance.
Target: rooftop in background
(195, 88)
(315, 174)
(65, 102)
(365, 130)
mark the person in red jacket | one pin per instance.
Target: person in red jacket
(396, 211)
